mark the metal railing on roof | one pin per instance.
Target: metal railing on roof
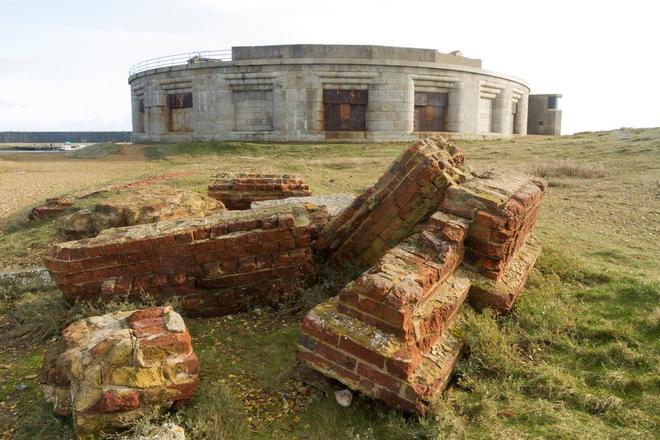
(200, 56)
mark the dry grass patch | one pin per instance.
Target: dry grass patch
(568, 168)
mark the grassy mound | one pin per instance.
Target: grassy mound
(96, 151)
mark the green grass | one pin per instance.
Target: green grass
(96, 151)
(578, 357)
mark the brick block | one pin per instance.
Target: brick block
(238, 191)
(404, 193)
(101, 375)
(235, 249)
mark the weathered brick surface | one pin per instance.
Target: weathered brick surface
(387, 333)
(217, 265)
(377, 363)
(52, 208)
(106, 373)
(386, 213)
(503, 210)
(391, 333)
(238, 191)
(501, 294)
(406, 276)
(135, 206)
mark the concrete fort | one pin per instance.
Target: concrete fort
(323, 92)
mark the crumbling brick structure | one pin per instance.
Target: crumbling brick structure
(502, 209)
(110, 370)
(411, 189)
(135, 206)
(389, 333)
(392, 333)
(217, 265)
(238, 191)
(52, 208)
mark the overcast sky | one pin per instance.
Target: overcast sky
(63, 64)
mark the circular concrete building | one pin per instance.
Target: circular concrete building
(322, 92)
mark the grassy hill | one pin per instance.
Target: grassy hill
(579, 356)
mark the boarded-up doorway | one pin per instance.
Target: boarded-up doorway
(345, 110)
(430, 111)
(180, 109)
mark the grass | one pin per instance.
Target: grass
(578, 358)
(96, 151)
(568, 168)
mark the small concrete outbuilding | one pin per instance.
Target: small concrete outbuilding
(544, 115)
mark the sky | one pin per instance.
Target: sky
(64, 64)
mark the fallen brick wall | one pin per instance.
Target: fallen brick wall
(238, 191)
(52, 208)
(392, 333)
(382, 216)
(218, 264)
(502, 209)
(387, 294)
(113, 369)
(134, 207)
(389, 333)
(501, 294)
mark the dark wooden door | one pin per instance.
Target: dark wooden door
(430, 111)
(345, 110)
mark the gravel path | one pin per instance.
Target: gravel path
(334, 202)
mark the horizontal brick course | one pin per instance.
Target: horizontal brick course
(165, 259)
(386, 213)
(503, 209)
(238, 191)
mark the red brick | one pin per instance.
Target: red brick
(396, 401)
(111, 401)
(172, 342)
(359, 351)
(186, 390)
(146, 313)
(335, 356)
(314, 328)
(378, 377)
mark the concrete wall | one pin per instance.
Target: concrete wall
(275, 93)
(543, 120)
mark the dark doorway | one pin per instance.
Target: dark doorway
(180, 111)
(345, 110)
(514, 116)
(430, 111)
